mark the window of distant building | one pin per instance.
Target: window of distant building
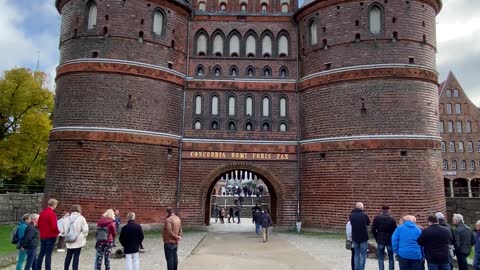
(468, 127)
(472, 165)
(92, 15)
(231, 106)
(463, 165)
(459, 127)
(232, 126)
(234, 45)
(158, 22)
(266, 46)
(198, 104)
(214, 105)
(283, 127)
(249, 106)
(445, 165)
(452, 147)
(214, 125)
(198, 125)
(284, 7)
(266, 126)
(201, 45)
(458, 108)
(243, 7)
(449, 108)
(450, 127)
(200, 71)
(251, 47)
(218, 45)
(460, 147)
(470, 146)
(444, 147)
(313, 32)
(264, 8)
(266, 107)
(376, 18)
(249, 126)
(201, 6)
(454, 164)
(448, 93)
(223, 7)
(283, 107)
(478, 146)
(441, 127)
(455, 93)
(283, 46)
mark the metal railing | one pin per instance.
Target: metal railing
(24, 189)
(462, 192)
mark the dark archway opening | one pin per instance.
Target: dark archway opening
(227, 189)
(446, 186)
(460, 187)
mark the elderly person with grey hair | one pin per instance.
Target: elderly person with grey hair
(131, 238)
(404, 244)
(359, 221)
(463, 241)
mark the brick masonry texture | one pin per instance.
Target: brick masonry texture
(109, 148)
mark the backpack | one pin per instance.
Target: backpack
(71, 235)
(14, 236)
(102, 234)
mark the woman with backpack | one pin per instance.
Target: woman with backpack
(75, 230)
(19, 233)
(105, 234)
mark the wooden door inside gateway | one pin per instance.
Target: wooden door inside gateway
(240, 187)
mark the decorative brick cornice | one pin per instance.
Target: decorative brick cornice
(179, 5)
(103, 136)
(242, 85)
(241, 18)
(99, 65)
(367, 73)
(240, 147)
(400, 144)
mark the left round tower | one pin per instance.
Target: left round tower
(118, 108)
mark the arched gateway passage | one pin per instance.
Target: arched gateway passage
(228, 183)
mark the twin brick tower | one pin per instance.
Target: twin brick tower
(329, 104)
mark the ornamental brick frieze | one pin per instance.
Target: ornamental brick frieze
(366, 74)
(370, 145)
(240, 147)
(242, 85)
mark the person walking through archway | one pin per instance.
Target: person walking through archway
(266, 223)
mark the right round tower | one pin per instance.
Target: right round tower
(368, 108)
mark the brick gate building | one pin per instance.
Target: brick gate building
(331, 103)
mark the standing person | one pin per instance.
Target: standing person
(131, 238)
(222, 215)
(404, 244)
(359, 221)
(172, 234)
(47, 225)
(436, 242)
(79, 225)
(476, 258)
(383, 227)
(348, 231)
(463, 241)
(230, 214)
(216, 212)
(443, 223)
(118, 221)
(254, 209)
(266, 222)
(237, 214)
(22, 226)
(29, 242)
(257, 219)
(106, 232)
(61, 236)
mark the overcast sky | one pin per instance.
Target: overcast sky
(30, 29)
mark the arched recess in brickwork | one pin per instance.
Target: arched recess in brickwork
(200, 44)
(267, 39)
(250, 44)
(271, 181)
(217, 45)
(283, 44)
(233, 44)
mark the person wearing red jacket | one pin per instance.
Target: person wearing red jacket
(104, 247)
(47, 225)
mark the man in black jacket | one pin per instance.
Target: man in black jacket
(383, 227)
(29, 242)
(464, 239)
(359, 221)
(131, 238)
(436, 241)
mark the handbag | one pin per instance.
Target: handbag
(348, 244)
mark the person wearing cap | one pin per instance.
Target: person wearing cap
(383, 227)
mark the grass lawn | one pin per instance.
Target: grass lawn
(5, 246)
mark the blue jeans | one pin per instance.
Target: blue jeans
(409, 264)
(171, 255)
(21, 259)
(31, 258)
(381, 254)
(432, 266)
(258, 228)
(46, 250)
(360, 255)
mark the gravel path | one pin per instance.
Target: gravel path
(152, 259)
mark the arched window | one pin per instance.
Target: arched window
(468, 127)
(218, 45)
(448, 93)
(450, 127)
(441, 128)
(234, 46)
(231, 125)
(249, 106)
(472, 165)
(460, 147)
(455, 93)
(458, 108)
(284, 7)
(313, 33)
(267, 46)
(452, 147)
(445, 165)
(248, 126)
(267, 72)
(470, 146)
(283, 127)
(214, 105)
(454, 164)
(201, 45)
(375, 19)
(449, 108)
(198, 125)
(200, 71)
(266, 126)
(463, 165)
(198, 104)
(283, 72)
(214, 125)
(223, 7)
(92, 15)
(250, 72)
(264, 7)
(283, 107)
(158, 19)
(243, 7)
(251, 47)
(459, 127)
(217, 71)
(231, 106)
(266, 107)
(233, 71)
(283, 46)
(444, 147)
(201, 6)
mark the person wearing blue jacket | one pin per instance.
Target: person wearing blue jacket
(404, 244)
(22, 254)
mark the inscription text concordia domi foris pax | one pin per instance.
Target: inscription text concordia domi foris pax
(237, 155)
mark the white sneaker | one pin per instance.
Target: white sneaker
(60, 250)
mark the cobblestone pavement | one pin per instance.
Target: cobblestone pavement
(152, 259)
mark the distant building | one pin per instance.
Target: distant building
(460, 130)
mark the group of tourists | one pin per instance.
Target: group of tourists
(246, 191)
(72, 230)
(262, 220)
(438, 243)
(233, 211)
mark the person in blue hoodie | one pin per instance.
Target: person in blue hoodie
(404, 244)
(22, 254)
